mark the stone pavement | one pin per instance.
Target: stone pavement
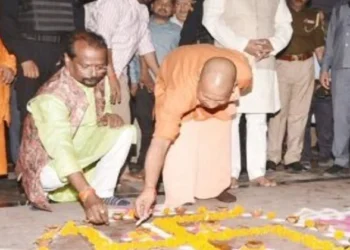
(20, 226)
(10, 195)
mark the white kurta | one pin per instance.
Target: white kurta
(264, 97)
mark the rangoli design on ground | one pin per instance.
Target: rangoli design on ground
(203, 230)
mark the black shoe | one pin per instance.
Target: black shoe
(325, 163)
(295, 167)
(335, 170)
(271, 165)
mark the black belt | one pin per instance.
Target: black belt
(42, 38)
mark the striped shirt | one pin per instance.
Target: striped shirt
(124, 26)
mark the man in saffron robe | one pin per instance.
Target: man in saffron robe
(195, 93)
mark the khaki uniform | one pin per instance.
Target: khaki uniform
(295, 72)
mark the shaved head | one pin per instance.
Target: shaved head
(217, 82)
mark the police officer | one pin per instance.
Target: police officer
(295, 71)
(321, 109)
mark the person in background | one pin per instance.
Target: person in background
(7, 75)
(165, 38)
(321, 108)
(296, 78)
(195, 95)
(124, 25)
(182, 8)
(73, 146)
(239, 25)
(193, 31)
(37, 41)
(337, 59)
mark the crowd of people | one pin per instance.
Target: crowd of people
(76, 75)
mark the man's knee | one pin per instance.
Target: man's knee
(129, 134)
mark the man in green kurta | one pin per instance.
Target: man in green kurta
(73, 146)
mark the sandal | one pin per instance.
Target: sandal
(128, 177)
(115, 201)
(263, 182)
(138, 175)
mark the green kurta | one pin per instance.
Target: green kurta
(71, 153)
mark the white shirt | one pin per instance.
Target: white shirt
(317, 68)
(174, 19)
(124, 26)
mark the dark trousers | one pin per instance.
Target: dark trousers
(15, 127)
(143, 112)
(322, 109)
(46, 56)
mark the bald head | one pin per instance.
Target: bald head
(217, 81)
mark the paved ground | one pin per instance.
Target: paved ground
(20, 226)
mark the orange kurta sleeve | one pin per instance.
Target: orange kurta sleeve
(6, 58)
(172, 102)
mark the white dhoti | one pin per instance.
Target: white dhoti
(256, 146)
(103, 177)
(263, 99)
(198, 163)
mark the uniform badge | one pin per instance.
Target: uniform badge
(310, 25)
(309, 21)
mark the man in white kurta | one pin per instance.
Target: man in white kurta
(247, 26)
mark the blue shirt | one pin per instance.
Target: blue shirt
(165, 38)
(337, 54)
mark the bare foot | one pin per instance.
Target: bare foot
(234, 183)
(263, 182)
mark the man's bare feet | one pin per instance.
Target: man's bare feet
(234, 183)
(263, 182)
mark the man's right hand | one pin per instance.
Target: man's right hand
(254, 48)
(147, 81)
(325, 80)
(114, 84)
(95, 210)
(6, 74)
(111, 120)
(144, 202)
(30, 69)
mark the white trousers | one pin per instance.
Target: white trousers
(106, 172)
(256, 146)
